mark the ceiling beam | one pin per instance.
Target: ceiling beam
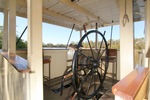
(54, 14)
(50, 21)
(47, 21)
(60, 24)
(51, 13)
(1, 9)
(81, 10)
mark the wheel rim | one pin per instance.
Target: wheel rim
(88, 73)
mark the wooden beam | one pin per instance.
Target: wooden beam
(81, 10)
(5, 25)
(77, 27)
(147, 33)
(61, 24)
(54, 14)
(12, 26)
(59, 16)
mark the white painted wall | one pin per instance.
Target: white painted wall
(58, 62)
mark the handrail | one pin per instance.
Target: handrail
(19, 63)
(133, 86)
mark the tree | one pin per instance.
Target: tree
(139, 43)
(21, 44)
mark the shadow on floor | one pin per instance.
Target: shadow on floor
(52, 90)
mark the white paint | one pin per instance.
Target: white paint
(5, 29)
(12, 26)
(58, 62)
(34, 12)
(118, 98)
(147, 32)
(147, 38)
(126, 39)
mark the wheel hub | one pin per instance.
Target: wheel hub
(95, 65)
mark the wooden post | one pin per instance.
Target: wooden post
(126, 38)
(80, 34)
(34, 12)
(12, 26)
(147, 32)
(5, 29)
(147, 37)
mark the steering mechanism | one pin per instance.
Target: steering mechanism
(88, 70)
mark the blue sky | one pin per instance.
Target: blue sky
(59, 35)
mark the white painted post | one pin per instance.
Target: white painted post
(80, 34)
(147, 38)
(5, 28)
(12, 26)
(9, 42)
(34, 12)
(147, 31)
(126, 39)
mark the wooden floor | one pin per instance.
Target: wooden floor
(52, 91)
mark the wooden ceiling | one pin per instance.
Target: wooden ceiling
(80, 12)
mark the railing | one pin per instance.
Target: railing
(13, 72)
(134, 86)
(140, 58)
(59, 56)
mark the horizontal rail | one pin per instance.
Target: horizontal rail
(19, 63)
(133, 86)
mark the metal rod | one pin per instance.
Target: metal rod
(96, 37)
(21, 35)
(84, 28)
(111, 34)
(70, 35)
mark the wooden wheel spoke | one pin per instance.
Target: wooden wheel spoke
(85, 56)
(90, 47)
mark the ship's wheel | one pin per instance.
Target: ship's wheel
(89, 71)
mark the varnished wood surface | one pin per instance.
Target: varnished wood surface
(129, 86)
(19, 63)
(46, 59)
(112, 52)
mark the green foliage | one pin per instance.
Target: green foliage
(115, 44)
(21, 44)
(139, 43)
(55, 46)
